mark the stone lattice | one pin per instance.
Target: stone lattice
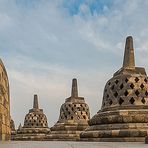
(126, 90)
(35, 124)
(5, 130)
(124, 112)
(74, 111)
(35, 120)
(74, 115)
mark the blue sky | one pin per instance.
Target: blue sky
(95, 6)
(46, 43)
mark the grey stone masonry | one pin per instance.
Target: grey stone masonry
(124, 112)
(35, 125)
(73, 119)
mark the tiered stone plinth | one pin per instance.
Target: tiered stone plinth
(35, 125)
(74, 114)
(5, 131)
(124, 112)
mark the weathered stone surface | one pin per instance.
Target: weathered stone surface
(146, 139)
(12, 126)
(124, 112)
(72, 144)
(5, 131)
(129, 61)
(73, 119)
(35, 124)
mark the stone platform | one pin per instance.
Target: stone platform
(69, 131)
(67, 144)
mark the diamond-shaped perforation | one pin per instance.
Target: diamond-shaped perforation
(107, 95)
(136, 79)
(143, 101)
(132, 86)
(145, 80)
(126, 80)
(121, 101)
(146, 93)
(110, 102)
(112, 88)
(126, 93)
(109, 83)
(121, 86)
(132, 100)
(84, 117)
(137, 93)
(117, 81)
(116, 94)
(142, 86)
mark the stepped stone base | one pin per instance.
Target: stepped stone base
(117, 126)
(34, 134)
(123, 139)
(28, 137)
(66, 132)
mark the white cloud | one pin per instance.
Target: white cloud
(53, 84)
(44, 47)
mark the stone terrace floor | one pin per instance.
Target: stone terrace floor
(50, 144)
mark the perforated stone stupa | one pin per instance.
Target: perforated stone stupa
(5, 131)
(73, 119)
(35, 124)
(124, 112)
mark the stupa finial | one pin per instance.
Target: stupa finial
(20, 126)
(74, 90)
(129, 60)
(35, 102)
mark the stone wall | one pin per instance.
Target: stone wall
(4, 104)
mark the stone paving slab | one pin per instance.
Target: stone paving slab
(51, 144)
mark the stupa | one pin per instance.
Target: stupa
(35, 124)
(73, 119)
(124, 112)
(5, 131)
(12, 126)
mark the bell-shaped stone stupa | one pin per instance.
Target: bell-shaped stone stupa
(124, 112)
(35, 124)
(73, 119)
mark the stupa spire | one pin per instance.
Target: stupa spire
(74, 90)
(35, 102)
(129, 60)
(20, 126)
